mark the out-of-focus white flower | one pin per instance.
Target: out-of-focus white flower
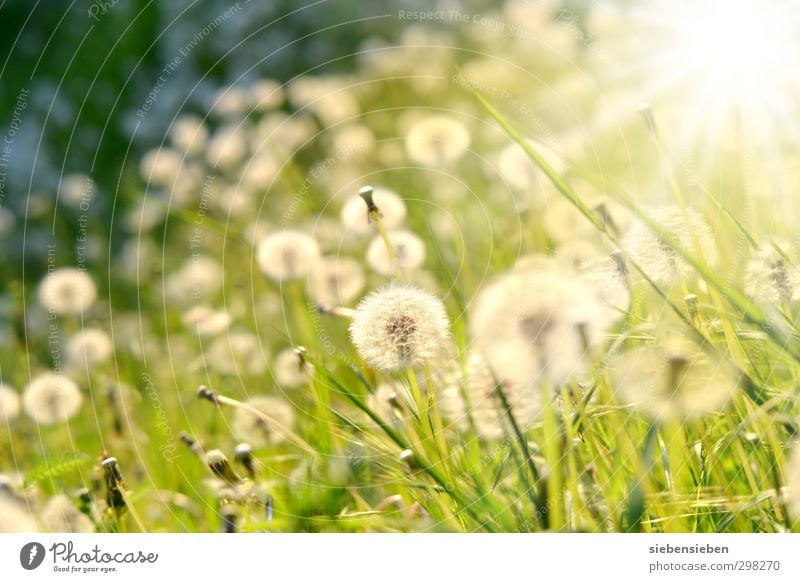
(227, 148)
(189, 134)
(250, 428)
(399, 326)
(200, 277)
(266, 94)
(61, 516)
(470, 397)
(289, 370)
(662, 263)
(206, 321)
(160, 166)
(539, 321)
(51, 398)
(672, 381)
(67, 291)
(408, 248)
(238, 352)
(769, 279)
(89, 347)
(353, 141)
(287, 254)
(437, 141)
(76, 190)
(231, 101)
(15, 517)
(9, 404)
(336, 281)
(355, 217)
(146, 214)
(330, 97)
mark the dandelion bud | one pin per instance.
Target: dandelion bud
(380, 203)
(230, 513)
(407, 457)
(398, 327)
(244, 454)
(206, 393)
(218, 463)
(269, 507)
(114, 483)
(366, 195)
(190, 442)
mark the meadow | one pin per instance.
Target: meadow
(485, 280)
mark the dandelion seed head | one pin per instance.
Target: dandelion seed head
(206, 321)
(60, 515)
(540, 318)
(672, 380)
(769, 278)
(227, 148)
(471, 395)
(287, 255)
(189, 134)
(201, 277)
(238, 352)
(336, 281)
(76, 189)
(160, 166)
(9, 404)
(327, 96)
(355, 217)
(437, 141)
(663, 264)
(289, 370)
(266, 94)
(14, 516)
(51, 398)
(67, 291)
(146, 214)
(399, 326)
(89, 347)
(248, 427)
(231, 101)
(408, 248)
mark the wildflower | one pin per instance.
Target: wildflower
(539, 319)
(89, 347)
(76, 190)
(60, 515)
(662, 263)
(67, 291)
(227, 148)
(399, 326)
(355, 215)
(290, 370)
(200, 277)
(471, 396)
(51, 398)
(253, 429)
(437, 141)
(145, 215)
(14, 516)
(287, 254)
(9, 404)
(336, 281)
(205, 321)
(409, 251)
(189, 134)
(769, 279)
(672, 381)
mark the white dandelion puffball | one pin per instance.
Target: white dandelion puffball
(89, 347)
(409, 250)
(437, 141)
(663, 264)
(287, 255)
(15, 517)
(266, 94)
(251, 428)
(60, 515)
(238, 352)
(189, 134)
(471, 395)
(76, 190)
(672, 381)
(67, 291)
(355, 217)
(289, 370)
(399, 326)
(793, 481)
(206, 321)
(51, 398)
(227, 148)
(609, 277)
(200, 277)
(769, 279)
(336, 281)
(541, 318)
(160, 166)
(9, 404)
